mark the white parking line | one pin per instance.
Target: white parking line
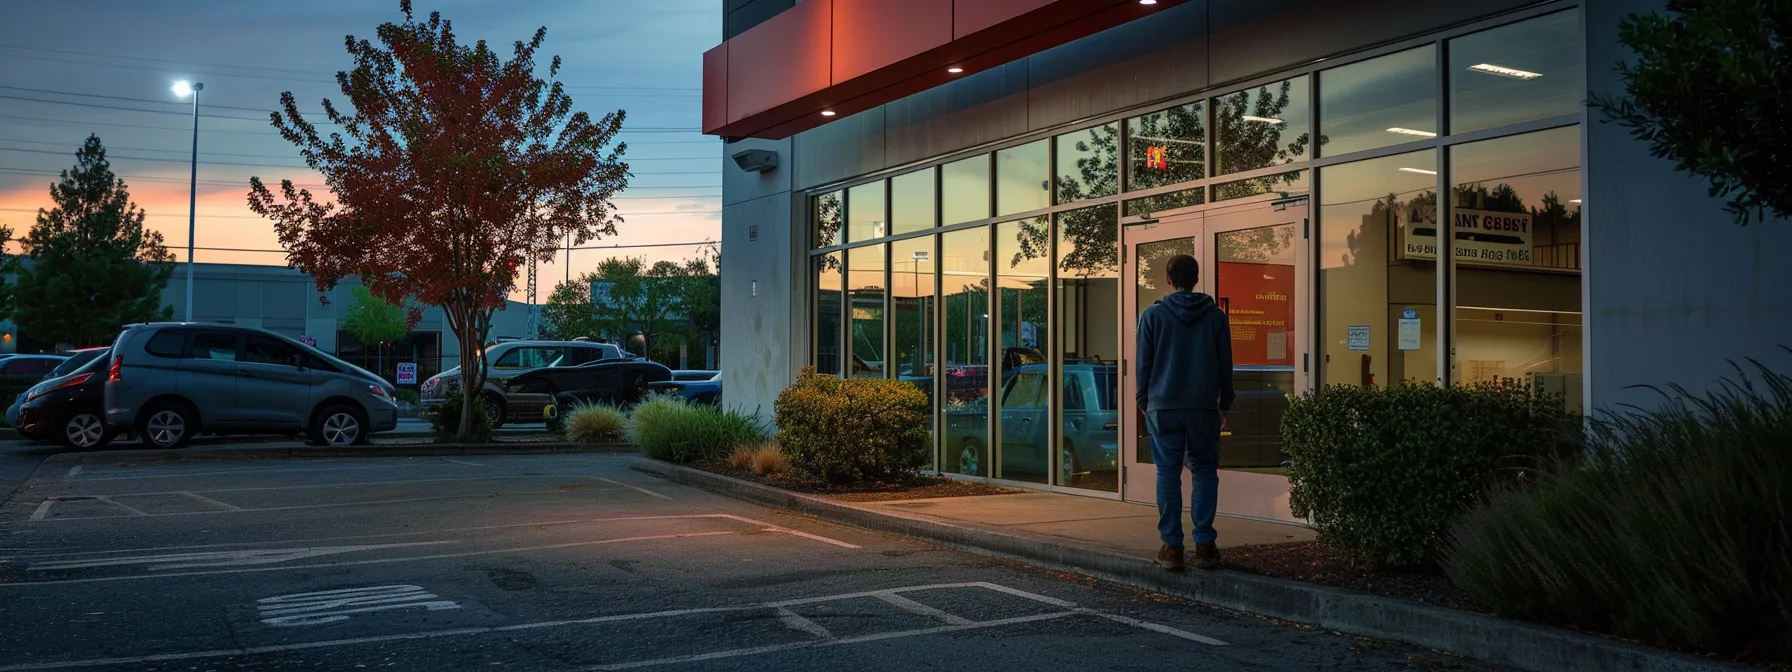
(207, 500)
(774, 528)
(636, 488)
(91, 478)
(301, 507)
(463, 462)
(134, 512)
(221, 558)
(42, 510)
(72, 471)
(780, 607)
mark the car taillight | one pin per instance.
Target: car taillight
(71, 382)
(116, 372)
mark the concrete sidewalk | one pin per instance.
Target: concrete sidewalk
(1122, 528)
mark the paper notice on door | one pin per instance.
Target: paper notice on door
(1409, 333)
(1278, 346)
(1358, 336)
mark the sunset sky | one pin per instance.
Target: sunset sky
(70, 69)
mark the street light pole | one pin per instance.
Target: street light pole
(183, 89)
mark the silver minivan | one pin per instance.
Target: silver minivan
(169, 382)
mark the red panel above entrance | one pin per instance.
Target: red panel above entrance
(847, 56)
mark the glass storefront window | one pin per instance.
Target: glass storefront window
(865, 311)
(912, 307)
(829, 215)
(1088, 267)
(1254, 282)
(1089, 163)
(1286, 184)
(964, 280)
(1023, 269)
(865, 218)
(1166, 147)
(964, 190)
(1516, 73)
(1023, 178)
(911, 202)
(1518, 278)
(1379, 102)
(828, 285)
(1169, 201)
(1262, 127)
(1377, 250)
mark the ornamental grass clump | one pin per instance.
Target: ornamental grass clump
(594, 423)
(669, 428)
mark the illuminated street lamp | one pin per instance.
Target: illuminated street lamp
(183, 89)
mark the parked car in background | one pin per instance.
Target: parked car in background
(617, 382)
(75, 360)
(1089, 441)
(512, 358)
(36, 366)
(68, 409)
(169, 382)
(698, 387)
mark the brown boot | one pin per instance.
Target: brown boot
(1170, 558)
(1207, 556)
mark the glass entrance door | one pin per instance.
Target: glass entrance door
(1254, 263)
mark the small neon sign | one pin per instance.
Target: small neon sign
(1157, 157)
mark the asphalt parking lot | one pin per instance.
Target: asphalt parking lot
(550, 562)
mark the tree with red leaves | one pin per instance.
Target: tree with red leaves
(453, 170)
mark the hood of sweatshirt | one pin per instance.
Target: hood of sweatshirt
(1189, 307)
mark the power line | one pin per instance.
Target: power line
(176, 247)
(110, 155)
(625, 129)
(183, 215)
(276, 134)
(184, 150)
(327, 73)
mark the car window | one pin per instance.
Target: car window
(75, 361)
(219, 345)
(265, 350)
(1073, 392)
(1107, 388)
(1025, 391)
(531, 358)
(45, 366)
(167, 343)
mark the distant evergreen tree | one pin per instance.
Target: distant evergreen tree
(94, 268)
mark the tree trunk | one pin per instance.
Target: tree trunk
(470, 330)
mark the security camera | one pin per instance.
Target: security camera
(756, 160)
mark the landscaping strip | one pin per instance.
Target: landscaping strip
(1503, 642)
(265, 452)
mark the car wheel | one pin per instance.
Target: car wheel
(1072, 468)
(168, 425)
(970, 461)
(494, 410)
(339, 425)
(84, 430)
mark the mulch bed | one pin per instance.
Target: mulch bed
(1313, 562)
(921, 487)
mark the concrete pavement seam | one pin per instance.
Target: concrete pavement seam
(1479, 636)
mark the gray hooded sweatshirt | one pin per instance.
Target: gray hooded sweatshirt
(1185, 355)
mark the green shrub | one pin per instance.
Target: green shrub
(1383, 472)
(857, 430)
(590, 423)
(409, 396)
(669, 428)
(445, 421)
(1676, 528)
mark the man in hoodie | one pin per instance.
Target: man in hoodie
(1184, 390)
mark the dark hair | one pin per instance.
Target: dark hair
(1184, 271)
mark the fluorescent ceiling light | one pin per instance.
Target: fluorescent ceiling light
(1260, 120)
(1147, 2)
(1503, 71)
(1408, 131)
(955, 70)
(827, 113)
(1420, 171)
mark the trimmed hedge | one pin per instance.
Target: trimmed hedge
(1676, 528)
(669, 428)
(855, 430)
(1384, 472)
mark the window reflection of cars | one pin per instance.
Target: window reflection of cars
(1254, 438)
(1089, 441)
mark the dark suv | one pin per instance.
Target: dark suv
(513, 358)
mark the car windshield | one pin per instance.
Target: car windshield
(75, 361)
(1107, 387)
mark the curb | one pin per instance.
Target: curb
(1478, 636)
(233, 452)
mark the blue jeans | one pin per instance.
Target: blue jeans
(1185, 437)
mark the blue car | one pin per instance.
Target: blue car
(702, 387)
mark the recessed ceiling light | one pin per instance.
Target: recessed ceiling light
(1574, 201)
(1420, 171)
(1260, 120)
(1147, 2)
(955, 69)
(1408, 131)
(1503, 71)
(827, 113)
